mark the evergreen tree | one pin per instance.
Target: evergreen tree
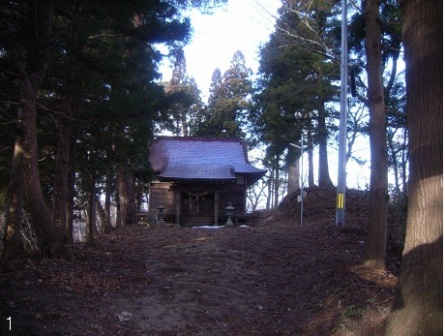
(215, 86)
(184, 98)
(87, 70)
(202, 125)
(376, 38)
(25, 39)
(393, 83)
(296, 82)
(230, 99)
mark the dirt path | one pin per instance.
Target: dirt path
(230, 281)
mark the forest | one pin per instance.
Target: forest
(81, 101)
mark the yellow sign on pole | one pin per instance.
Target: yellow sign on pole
(340, 201)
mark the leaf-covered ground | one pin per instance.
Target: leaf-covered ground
(275, 278)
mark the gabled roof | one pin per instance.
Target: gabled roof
(209, 159)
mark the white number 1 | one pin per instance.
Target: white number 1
(10, 322)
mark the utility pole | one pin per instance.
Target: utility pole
(341, 181)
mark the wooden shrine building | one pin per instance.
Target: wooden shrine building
(197, 178)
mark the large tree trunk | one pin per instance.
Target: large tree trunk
(293, 176)
(405, 163)
(418, 306)
(324, 179)
(33, 70)
(91, 209)
(375, 251)
(62, 172)
(12, 240)
(40, 214)
(63, 195)
(126, 195)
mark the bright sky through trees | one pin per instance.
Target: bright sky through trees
(238, 25)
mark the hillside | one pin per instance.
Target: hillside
(275, 278)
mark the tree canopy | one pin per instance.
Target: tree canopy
(81, 85)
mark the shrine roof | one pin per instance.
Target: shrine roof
(194, 158)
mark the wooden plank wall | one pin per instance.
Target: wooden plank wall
(160, 194)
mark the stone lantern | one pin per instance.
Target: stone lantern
(161, 208)
(229, 212)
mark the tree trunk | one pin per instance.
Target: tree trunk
(405, 165)
(324, 179)
(101, 215)
(12, 240)
(277, 181)
(118, 211)
(71, 194)
(269, 190)
(375, 251)
(62, 172)
(293, 175)
(91, 212)
(417, 309)
(33, 70)
(40, 214)
(126, 195)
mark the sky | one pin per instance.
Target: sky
(239, 25)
